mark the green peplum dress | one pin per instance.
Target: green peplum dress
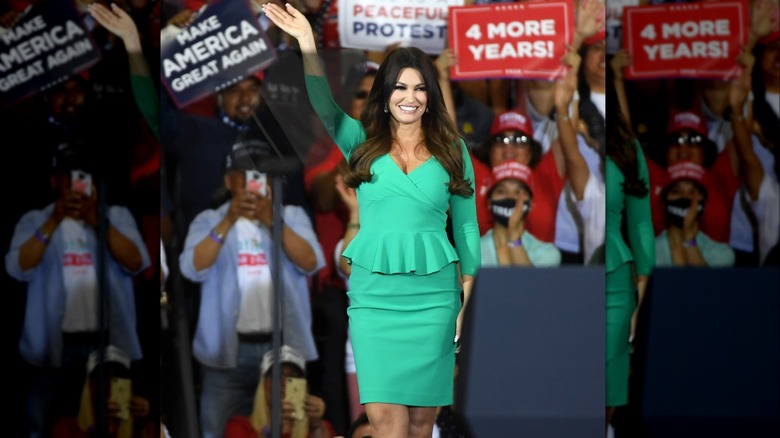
(620, 286)
(404, 289)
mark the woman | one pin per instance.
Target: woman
(682, 243)
(409, 168)
(509, 243)
(628, 264)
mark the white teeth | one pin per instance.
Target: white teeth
(408, 109)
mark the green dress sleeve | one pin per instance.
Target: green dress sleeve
(641, 236)
(147, 100)
(464, 222)
(345, 131)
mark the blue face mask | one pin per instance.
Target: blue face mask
(502, 209)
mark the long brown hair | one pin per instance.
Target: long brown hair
(439, 132)
(622, 145)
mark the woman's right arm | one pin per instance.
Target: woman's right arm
(345, 131)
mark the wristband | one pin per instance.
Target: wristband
(219, 238)
(351, 225)
(563, 117)
(43, 238)
(515, 243)
(690, 244)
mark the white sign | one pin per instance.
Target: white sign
(377, 24)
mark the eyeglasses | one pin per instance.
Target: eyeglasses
(514, 140)
(362, 94)
(688, 139)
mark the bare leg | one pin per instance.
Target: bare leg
(421, 421)
(388, 420)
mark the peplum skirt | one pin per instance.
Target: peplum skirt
(402, 328)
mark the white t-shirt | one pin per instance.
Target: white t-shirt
(254, 280)
(79, 279)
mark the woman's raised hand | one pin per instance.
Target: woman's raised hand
(289, 20)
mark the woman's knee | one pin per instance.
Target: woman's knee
(387, 417)
(421, 421)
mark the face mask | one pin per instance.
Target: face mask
(677, 209)
(502, 209)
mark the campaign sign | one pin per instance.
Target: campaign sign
(376, 24)
(516, 40)
(49, 44)
(222, 46)
(694, 40)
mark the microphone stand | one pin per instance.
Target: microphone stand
(103, 310)
(276, 168)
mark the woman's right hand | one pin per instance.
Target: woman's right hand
(289, 20)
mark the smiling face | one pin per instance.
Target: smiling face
(239, 101)
(409, 98)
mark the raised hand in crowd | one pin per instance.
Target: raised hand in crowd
(750, 168)
(763, 18)
(443, 62)
(576, 167)
(117, 21)
(619, 62)
(589, 18)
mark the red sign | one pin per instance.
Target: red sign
(252, 259)
(695, 40)
(74, 259)
(515, 40)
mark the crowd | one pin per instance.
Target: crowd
(80, 233)
(536, 147)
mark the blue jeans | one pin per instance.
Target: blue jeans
(230, 392)
(55, 392)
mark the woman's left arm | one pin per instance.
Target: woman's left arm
(466, 233)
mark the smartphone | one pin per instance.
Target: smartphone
(121, 391)
(81, 181)
(256, 182)
(295, 393)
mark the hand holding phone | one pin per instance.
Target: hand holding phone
(81, 182)
(256, 182)
(295, 393)
(121, 392)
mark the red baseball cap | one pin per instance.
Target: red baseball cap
(512, 121)
(512, 169)
(687, 120)
(686, 170)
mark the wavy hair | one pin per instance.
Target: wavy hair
(440, 134)
(622, 144)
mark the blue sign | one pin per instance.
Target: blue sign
(49, 44)
(222, 46)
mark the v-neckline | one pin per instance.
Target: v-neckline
(397, 166)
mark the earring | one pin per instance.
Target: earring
(427, 109)
(385, 107)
